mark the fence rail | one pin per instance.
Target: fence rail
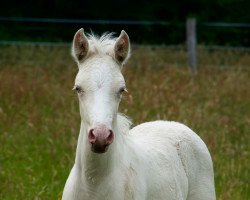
(84, 21)
(116, 22)
(226, 24)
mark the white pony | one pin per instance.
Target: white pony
(158, 160)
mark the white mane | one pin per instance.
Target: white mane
(124, 123)
(103, 45)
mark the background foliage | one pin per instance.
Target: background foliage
(175, 12)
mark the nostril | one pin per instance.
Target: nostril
(110, 138)
(91, 136)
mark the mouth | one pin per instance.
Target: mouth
(99, 148)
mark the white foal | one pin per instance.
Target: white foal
(158, 160)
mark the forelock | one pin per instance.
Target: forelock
(103, 45)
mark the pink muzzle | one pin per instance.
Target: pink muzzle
(100, 138)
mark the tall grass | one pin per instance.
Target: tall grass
(39, 117)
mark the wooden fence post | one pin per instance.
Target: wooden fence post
(191, 44)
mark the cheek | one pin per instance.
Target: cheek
(115, 106)
(118, 102)
(85, 107)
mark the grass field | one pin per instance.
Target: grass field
(39, 117)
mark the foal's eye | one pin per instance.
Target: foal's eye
(78, 89)
(122, 90)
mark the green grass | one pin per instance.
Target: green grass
(39, 117)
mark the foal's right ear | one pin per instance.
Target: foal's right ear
(80, 46)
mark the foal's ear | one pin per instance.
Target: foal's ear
(80, 46)
(122, 47)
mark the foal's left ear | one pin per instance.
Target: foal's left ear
(80, 46)
(122, 48)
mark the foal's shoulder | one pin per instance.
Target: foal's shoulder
(160, 126)
(168, 130)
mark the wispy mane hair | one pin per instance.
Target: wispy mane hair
(103, 44)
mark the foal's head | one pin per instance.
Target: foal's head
(100, 84)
